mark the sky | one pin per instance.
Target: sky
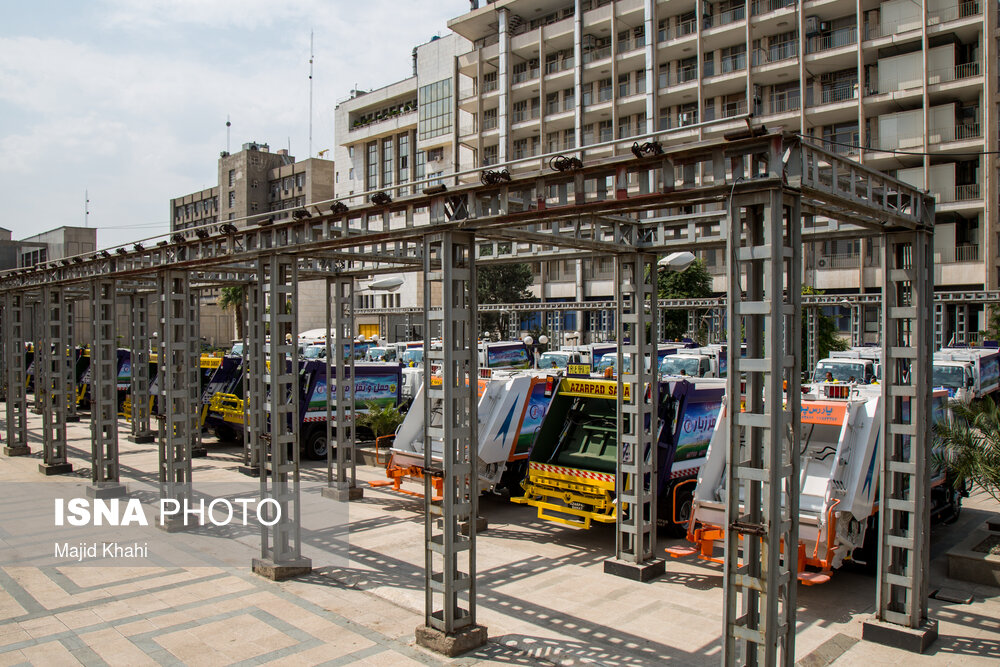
(127, 100)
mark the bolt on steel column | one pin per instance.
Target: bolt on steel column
(50, 380)
(638, 396)
(17, 400)
(762, 498)
(450, 556)
(341, 471)
(904, 489)
(178, 397)
(104, 390)
(281, 544)
(139, 354)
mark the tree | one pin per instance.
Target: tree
(693, 282)
(381, 420)
(506, 283)
(234, 298)
(969, 446)
(826, 331)
(992, 331)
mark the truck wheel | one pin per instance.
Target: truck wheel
(682, 510)
(315, 448)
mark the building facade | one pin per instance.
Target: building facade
(908, 87)
(255, 184)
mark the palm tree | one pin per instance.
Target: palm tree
(969, 446)
(234, 298)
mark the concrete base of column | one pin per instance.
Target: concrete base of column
(456, 643)
(635, 571)
(36, 411)
(55, 468)
(142, 438)
(107, 490)
(915, 640)
(175, 524)
(268, 569)
(482, 525)
(344, 494)
(250, 471)
(17, 450)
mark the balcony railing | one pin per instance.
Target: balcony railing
(734, 63)
(731, 109)
(382, 116)
(832, 40)
(967, 131)
(764, 6)
(785, 102)
(724, 18)
(776, 52)
(489, 85)
(967, 253)
(953, 13)
(597, 54)
(525, 75)
(633, 42)
(521, 115)
(884, 28)
(682, 29)
(678, 77)
(839, 261)
(561, 65)
(956, 73)
(839, 92)
(967, 192)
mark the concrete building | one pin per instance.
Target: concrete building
(904, 86)
(255, 183)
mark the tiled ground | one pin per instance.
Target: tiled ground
(542, 594)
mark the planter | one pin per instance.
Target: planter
(976, 559)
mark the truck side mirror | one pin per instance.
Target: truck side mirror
(969, 382)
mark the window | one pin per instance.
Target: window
(287, 184)
(588, 94)
(253, 206)
(588, 134)
(300, 180)
(350, 152)
(435, 109)
(604, 90)
(604, 131)
(623, 85)
(232, 177)
(490, 82)
(489, 155)
(371, 165)
(232, 200)
(387, 162)
(404, 158)
(350, 173)
(489, 119)
(420, 166)
(569, 99)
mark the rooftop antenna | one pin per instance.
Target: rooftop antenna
(228, 125)
(310, 93)
(86, 207)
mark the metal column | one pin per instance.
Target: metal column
(17, 400)
(254, 368)
(904, 482)
(857, 325)
(178, 397)
(812, 337)
(939, 319)
(51, 381)
(281, 544)
(139, 354)
(70, 371)
(341, 471)
(763, 458)
(638, 398)
(104, 393)
(450, 555)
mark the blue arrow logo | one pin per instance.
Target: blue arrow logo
(505, 427)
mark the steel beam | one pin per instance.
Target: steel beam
(281, 543)
(139, 355)
(450, 555)
(17, 400)
(638, 398)
(51, 381)
(255, 367)
(904, 480)
(341, 470)
(178, 397)
(104, 469)
(763, 457)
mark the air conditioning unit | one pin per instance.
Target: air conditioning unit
(435, 155)
(812, 26)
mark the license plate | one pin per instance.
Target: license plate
(576, 506)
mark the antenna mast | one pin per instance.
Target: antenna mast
(86, 207)
(228, 125)
(310, 93)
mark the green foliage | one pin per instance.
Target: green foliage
(692, 283)
(381, 420)
(969, 448)
(826, 331)
(233, 298)
(506, 283)
(992, 331)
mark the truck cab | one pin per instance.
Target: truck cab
(844, 369)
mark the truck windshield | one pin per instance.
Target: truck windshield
(949, 376)
(842, 371)
(674, 364)
(378, 354)
(553, 360)
(413, 357)
(611, 361)
(315, 352)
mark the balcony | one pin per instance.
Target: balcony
(968, 192)
(382, 116)
(953, 13)
(678, 77)
(783, 102)
(490, 85)
(832, 40)
(968, 131)
(597, 54)
(725, 18)
(561, 65)
(776, 53)
(731, 109)
(758, 7)
(682, 29)
(967, 253)
(956, 73)
(489, 123)
(733, 63)
(522, 115)
(887, 28)
(631, 43)
(524, 75)
(839, 92)
(839, 261)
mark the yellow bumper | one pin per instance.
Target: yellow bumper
(569, 496)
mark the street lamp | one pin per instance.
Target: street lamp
(677, 261)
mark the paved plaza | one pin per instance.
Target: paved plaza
(542, 595)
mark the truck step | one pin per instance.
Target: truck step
(681, 552)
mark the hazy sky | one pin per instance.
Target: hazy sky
(127, 99)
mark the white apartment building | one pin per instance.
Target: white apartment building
(909, 87)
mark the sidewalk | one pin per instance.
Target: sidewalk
(542, 595)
